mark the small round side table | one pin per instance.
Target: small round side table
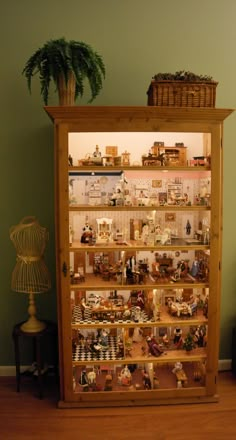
(40, 339)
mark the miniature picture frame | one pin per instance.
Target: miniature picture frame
(156, 183)
(170, 216)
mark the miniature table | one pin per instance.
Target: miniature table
(39, 340)
(103, 312)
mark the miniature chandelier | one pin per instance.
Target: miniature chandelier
(30, 274)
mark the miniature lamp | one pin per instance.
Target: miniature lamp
(30, 274)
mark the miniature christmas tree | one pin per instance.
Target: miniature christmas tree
(188, 344)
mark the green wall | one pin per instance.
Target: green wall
(136, 39)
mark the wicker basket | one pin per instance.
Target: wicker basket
(182, 93)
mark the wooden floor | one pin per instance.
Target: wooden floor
(24, 416)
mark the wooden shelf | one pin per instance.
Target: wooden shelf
(177, 244)
(93, 282)
(139, 168)
(196, 355)
(174, 208)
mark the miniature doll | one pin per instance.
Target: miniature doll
(140, 300)
(146, 380)
(178, 367)
(87, 233)
(137, 335)
(92, 377)
(83, 380)
(154, 347)
(132, 264)
(137, 314)
(188, 228)
(145, 233)
(165, 340)
(199, 336)
(97, 153)
(120, 352)
(104, 340)
(182, 268)
(195, 268)
(70, 160)
(125, 376)
(205, 307)
(178, 340)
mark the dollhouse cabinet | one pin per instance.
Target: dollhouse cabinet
(138, 253)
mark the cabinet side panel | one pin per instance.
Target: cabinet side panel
(62, 254)
(215, 261)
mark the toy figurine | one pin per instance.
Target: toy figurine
(205, 307)
(125, 376)
(97, 153)
(188, 228)
(74, 383)
(91, 377)
(146, 380)
(199, 336)
(71, 234)
(104, 340)
(154, 347)
(178, 367)
(193, 304)
(165, 340)
(137, 314)
(195, 268)
(70, 160)
(83, 380)
(178, 340)
(137, 335)
(132, 263)
(181, 271)
(87, 233)
(117, 198)
(95, 347)
(120, 352)
(140, 300)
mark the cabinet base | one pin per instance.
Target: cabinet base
(135, 402)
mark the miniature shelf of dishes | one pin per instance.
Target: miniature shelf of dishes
(138, 213)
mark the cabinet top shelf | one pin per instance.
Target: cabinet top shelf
(167, 114)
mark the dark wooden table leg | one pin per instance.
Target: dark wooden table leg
(40, 339)
(17, 360)
(39, 365)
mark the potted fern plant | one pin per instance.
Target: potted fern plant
(67, 64)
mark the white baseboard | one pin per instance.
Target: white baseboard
(10, 370)
(224, 365)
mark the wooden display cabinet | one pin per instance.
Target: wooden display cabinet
(123, 327)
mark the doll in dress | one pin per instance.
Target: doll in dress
(137, 335)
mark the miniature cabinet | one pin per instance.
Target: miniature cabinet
(138, 252)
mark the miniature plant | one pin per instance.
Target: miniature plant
(182, 75)
(61, 58)
(188, 344)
